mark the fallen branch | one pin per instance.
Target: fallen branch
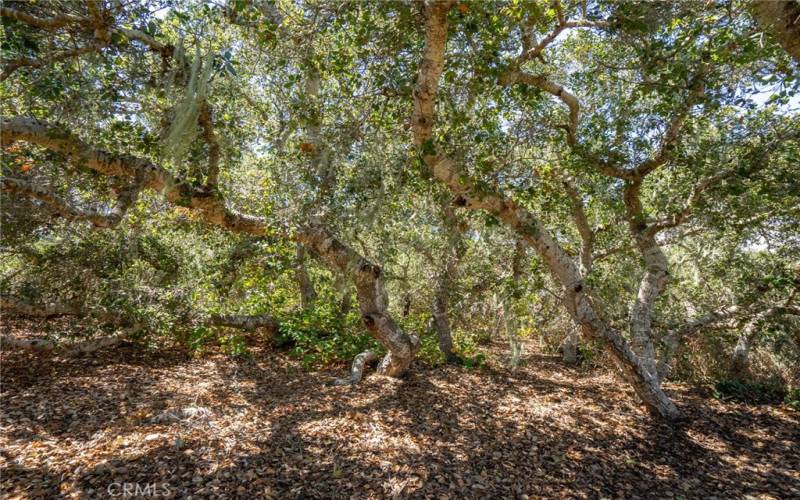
(19, 308)
(72, 349)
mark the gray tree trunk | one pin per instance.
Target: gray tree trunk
(653, 282)
(441, 324)
(307, 292)
(569, 347)
(454, 251)
(373, 299)
(343, 291)
(641, 316)
(740, 358)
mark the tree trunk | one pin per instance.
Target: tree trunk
(672, 340)
(357, 369)
(307, 292)
(441, 302)
(652, 285)
(72, 349)
(406, 305)
(653, 281)
(511, 322)
(781, 19)
(569, 347)
(43, 345)
(212, 208)
(740, 359)
(372, 297)
(498, 308)
(442, 325)
(343, 290)
(514, 344)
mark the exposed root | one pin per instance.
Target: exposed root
(357, 370)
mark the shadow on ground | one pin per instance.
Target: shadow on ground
(73, 427)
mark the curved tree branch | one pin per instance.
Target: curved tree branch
(685, 212)
(579, 299)
(47, 23)
(357, 368)
(541, 82)
(153, 177)
(582, 223)
(674, 129)
(11, 65)
(367, 277)
(69, 349)
(69, 210)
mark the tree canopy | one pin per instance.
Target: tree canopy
(182, 171)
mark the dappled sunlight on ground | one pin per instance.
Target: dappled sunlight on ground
(263, 427)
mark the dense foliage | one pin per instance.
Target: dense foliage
(654, 144)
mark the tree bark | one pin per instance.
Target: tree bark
(125, 198)
(672, 340)
(441, 324)
(641, 316)
(357, 368)
(454, 250)
(71, 349)
(569, 347)
(343, 290)
(740, 359)
(653, 281)
(781, 19)
(582, 223)
(43, 345)
(307, 292)
(372, 297)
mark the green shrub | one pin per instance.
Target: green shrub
(429, 351)
(320, 335)
(234, 345)
(197, 338)
(792, 399)
(750, 392)
(477, 361)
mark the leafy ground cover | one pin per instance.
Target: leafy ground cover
(263, 427)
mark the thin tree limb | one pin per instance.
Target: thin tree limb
(69, 210)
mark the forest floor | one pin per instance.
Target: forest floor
(215, 427)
